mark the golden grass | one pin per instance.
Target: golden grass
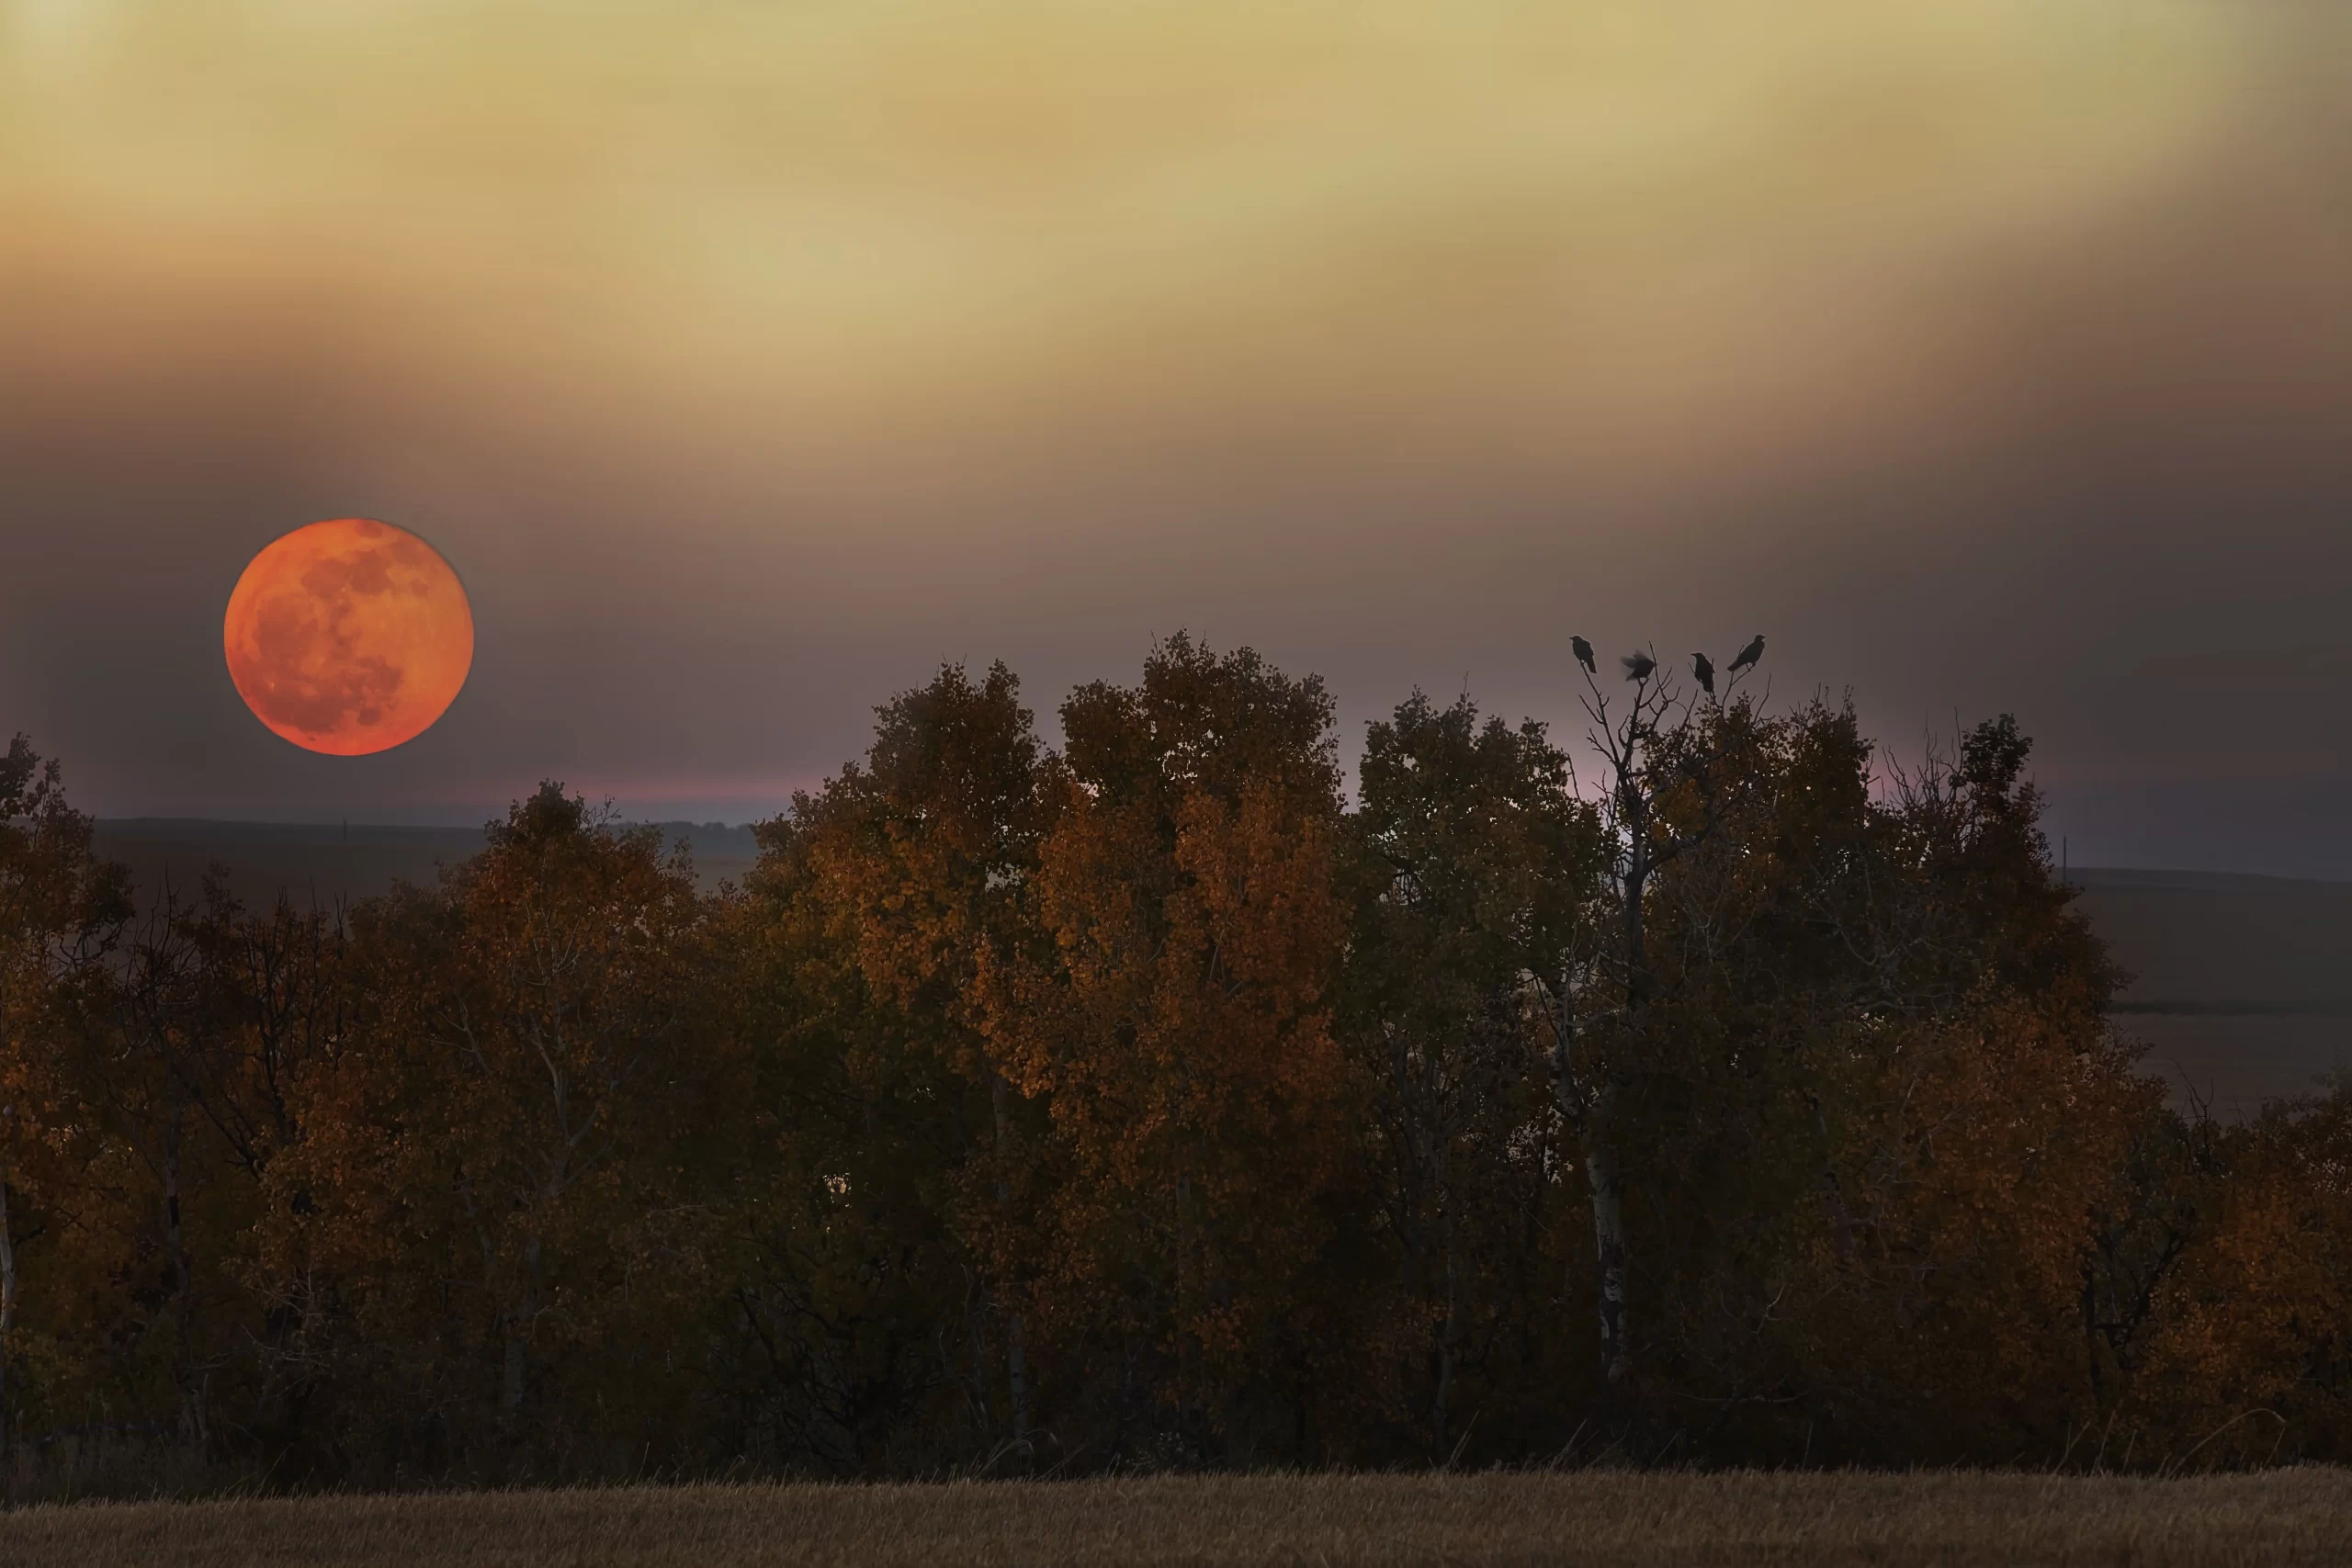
(2286, 1516)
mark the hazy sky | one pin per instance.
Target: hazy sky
(748, 359)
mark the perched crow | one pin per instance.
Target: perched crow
(1584, 653)
(1638, 666)
(1704, 668)
(1748, 655)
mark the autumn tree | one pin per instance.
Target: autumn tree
(1881, 1108)
(155, 1168)
(901, 1153)
(218, 1014)
(2235, 1348)
(1469, 865)
(158, 1061)
(1179, 1026)
(498, 1174)
(61, 912)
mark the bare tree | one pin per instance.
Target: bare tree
(1657, 799)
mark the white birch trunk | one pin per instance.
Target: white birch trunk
(1609, 1234)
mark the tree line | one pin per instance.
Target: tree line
(1146, 1103)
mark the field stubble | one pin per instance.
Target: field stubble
(2301, 1516)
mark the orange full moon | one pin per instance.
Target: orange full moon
(349, 636)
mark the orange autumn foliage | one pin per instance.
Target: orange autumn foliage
(1179, 1026)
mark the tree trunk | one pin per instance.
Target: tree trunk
(514, 1382)
(515, 1374)
(8, 1314)
(1593, 1113)
(1448, 1335)
(1188, 1350)
(1601, 1129)
(1016, 1353)
(1594, 1118)
(175, 1239)
(194, 1427)
(1609, 1234)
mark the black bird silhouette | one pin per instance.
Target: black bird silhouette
(1638, 666)
(1584, 653)
(1704, 668)
(1748, 655)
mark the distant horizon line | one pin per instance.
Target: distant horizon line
(2074, 875)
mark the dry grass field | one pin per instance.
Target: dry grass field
(2280, 1517)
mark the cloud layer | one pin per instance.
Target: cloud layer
(748, 360)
